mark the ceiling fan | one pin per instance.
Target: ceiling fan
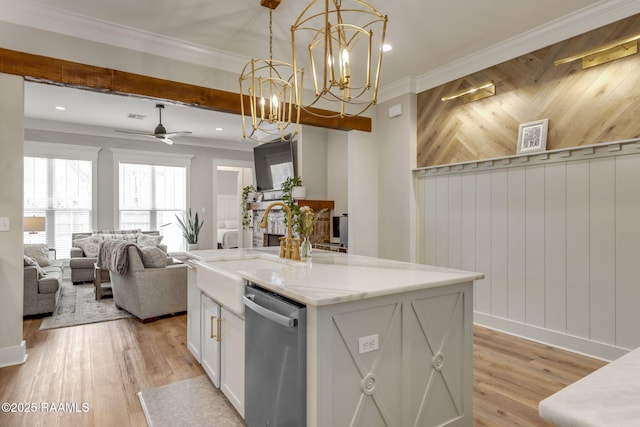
(159, 132)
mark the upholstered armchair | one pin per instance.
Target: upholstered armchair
(150, 292)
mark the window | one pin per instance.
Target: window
(56, 187)
(152, 189)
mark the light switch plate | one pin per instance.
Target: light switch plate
(5, 225)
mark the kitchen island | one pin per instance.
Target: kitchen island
(388, 343)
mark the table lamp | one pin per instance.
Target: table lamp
(34, 224)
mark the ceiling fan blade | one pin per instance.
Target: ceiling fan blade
(162, 137)
(175, 134)
(134, 132)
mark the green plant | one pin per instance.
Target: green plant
(190, 226)
(246, 217)
(287, 198)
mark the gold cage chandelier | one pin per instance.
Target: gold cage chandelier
(271, 92)
(344, 57)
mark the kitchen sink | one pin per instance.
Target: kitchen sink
(220, 279)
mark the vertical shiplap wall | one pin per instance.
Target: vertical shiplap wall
(557, 236)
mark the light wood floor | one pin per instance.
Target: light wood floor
(106, 364)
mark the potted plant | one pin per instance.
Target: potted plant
(190, 226)
(248, 194)
(287, 197)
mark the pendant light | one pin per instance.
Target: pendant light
(272, 98)
(344, 42)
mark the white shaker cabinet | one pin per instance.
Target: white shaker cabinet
(215, 332)
(232, 359)
(194, 317)
(211, 331)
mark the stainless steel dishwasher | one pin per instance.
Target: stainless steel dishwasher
(275, 374)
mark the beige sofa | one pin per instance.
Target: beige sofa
(42, 280)
(148, 292)
(81, 265)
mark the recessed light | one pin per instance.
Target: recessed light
(60, 108)
(219, 129)
(386, 47)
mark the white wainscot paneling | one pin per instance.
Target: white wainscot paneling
(556, 236)
(627, 250)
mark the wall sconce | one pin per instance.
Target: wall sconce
(611, 51)
(473, 93)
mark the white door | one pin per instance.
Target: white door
(210, 344)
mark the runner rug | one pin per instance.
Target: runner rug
(193, 402)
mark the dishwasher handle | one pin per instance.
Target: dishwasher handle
(285, 321)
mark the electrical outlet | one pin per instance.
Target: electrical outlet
(367, 344)
(5, 225)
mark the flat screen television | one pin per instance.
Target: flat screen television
(274, 163)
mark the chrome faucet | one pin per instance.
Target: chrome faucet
(289, 247)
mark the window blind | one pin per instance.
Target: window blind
(57, 189)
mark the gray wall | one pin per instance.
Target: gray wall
(12, 349)
(227, 182)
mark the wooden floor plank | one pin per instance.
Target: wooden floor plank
(106, 364)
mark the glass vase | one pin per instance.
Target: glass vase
(305, 249)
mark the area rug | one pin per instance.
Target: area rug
(193, 402)
(78, 306)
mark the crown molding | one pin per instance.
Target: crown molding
(30, 14)
(584, 20)
(397, 88)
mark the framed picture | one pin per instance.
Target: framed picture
(532, 137)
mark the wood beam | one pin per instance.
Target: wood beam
(271, 4)
(72, 74)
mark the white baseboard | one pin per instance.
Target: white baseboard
(10, 356)
(561, 340)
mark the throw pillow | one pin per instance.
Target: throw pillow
(231, 223)
(132, 231)
(149, 240)
(39, 252)
(130, 237)
(31, 261)
(154, 258)
(89, 245)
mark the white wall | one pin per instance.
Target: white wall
(337, 167)
(312, 161)
(363, 194)
(395, 138)
(12, 347)
(556, 236)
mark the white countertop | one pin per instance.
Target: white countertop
(329, 277)
(609, 396)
